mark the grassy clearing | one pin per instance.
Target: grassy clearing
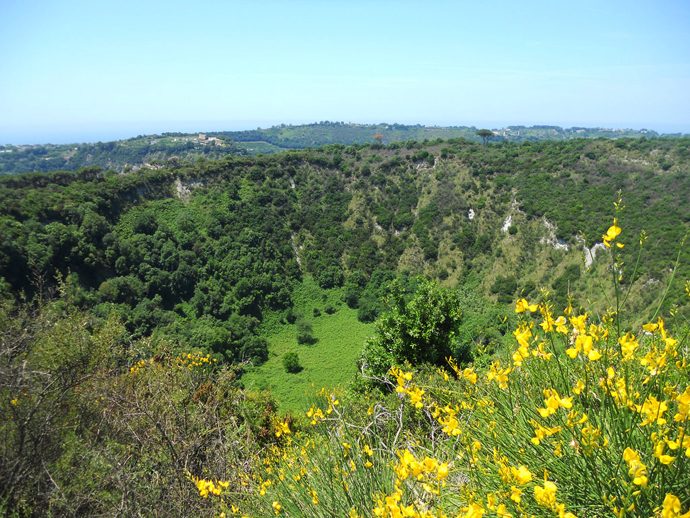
(254, 148)
(327, 363)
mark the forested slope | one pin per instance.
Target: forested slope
(325, 132)
(200, 252)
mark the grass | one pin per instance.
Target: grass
(326, 364)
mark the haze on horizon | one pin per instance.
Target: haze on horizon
(77, 71)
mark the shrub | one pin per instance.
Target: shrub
(417, 330)
(76, 408)
(331, 278)
(368, 309)
(351, 298)
(291, 362)
(304, 330)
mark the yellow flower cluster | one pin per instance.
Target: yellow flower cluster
(390, 507)
(194, 362)
(624, 392)
(637, 469)
(315, 414)
(429, 469)
(468, 373)
(416, 394)
(499, 375)
(429, 472)
(209, 487)
(553, 402)
(611, 234)
(671, 507)
(282, 428)
(521, 474)
(141, 364)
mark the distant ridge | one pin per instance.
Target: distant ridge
(158, 149)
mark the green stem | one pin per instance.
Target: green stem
(670, 282)
(637, 263)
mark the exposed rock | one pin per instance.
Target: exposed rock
(551, 239)
(184, 191)
(507, 223)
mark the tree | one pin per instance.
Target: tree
(331, 278)
(485, 134)
(378, 137)
(304, 331)
(291, 362)
(419, 330)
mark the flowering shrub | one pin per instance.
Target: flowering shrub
(581, 418)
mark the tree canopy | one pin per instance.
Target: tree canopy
(417, 329)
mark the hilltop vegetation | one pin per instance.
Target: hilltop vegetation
(171, 149)
(124, 155)
(322, 133)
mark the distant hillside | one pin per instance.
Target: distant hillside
(175, 148)
(122, 155)
(318, 134)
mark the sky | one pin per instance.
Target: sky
(84, 71)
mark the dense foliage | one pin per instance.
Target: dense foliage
(200, 252)
(175, 148)
(123, 155)
(141, 296)
(92, 425)
(417, 331)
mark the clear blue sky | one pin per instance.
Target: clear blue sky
(73, 70)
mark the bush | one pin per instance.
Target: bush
(418, 330)
(304, 331)
(331, 278)
(76, 407)
(291, 316)
(291, 362)
(368, 309)
(351, 298)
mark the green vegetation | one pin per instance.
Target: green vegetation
(166, 150)
(202, 253)
(323, 133)
(92, 423)
(175, 149)
(174, 323)
(553, 427)
(150, 321)
(291, 362)
(419, 330)
(327, 363)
